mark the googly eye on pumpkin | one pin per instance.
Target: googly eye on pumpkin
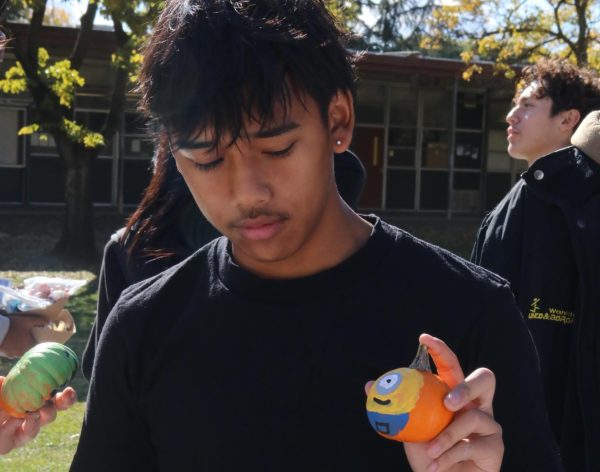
(388, 383)
(36, 378)
(407, 404)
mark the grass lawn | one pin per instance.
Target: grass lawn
(26, 240)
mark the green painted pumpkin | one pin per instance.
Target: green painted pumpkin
(36, 377)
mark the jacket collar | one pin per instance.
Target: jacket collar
(566, 173)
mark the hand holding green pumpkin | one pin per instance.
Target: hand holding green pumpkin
(36, 377)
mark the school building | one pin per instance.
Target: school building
(430, 142)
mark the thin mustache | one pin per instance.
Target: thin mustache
(253, 213)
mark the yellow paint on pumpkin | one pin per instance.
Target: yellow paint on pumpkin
(403, 399)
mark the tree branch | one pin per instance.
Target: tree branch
(84, 35)
(582, 38)
(33, 38)
(117, 99)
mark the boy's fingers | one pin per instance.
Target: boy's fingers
(8, 430)
(476, 391)
(65, 399)
(476, 450)
(446, 362)
(468, 423)
(47, 413)
(29, 429)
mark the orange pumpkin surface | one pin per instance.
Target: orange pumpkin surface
(407, 404)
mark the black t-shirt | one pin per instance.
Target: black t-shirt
(207, 367)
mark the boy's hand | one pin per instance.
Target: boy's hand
(473, 440)
(15, 432)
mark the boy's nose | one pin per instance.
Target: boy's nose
(249, 182)
(511, 117)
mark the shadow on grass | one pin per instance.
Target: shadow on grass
(28, 239)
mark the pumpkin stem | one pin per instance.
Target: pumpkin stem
(421, 361)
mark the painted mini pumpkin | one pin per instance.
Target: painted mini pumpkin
(407, 404)
(36, 377)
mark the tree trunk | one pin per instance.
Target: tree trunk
(77, 239)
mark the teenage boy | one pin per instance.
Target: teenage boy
(543, 237)
(253, 353)
(15, 339)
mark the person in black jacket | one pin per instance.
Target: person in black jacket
(543, 237)
(253, 353)
(167, 227)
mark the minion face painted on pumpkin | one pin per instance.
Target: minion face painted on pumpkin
(407, 404)
(392, 397)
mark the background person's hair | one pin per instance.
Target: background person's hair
(164, 194)
(214, 63)
(568, 86)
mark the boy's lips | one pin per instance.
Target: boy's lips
(260, 228)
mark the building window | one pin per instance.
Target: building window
(11, 144)
(370, 104)
(468, 152)
(502, 170)
(137, 154)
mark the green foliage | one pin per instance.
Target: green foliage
(514, 32)
(30, 129)
(14, 81)
(401, 25)
(81, 134)
(64, 80)
(347, 12)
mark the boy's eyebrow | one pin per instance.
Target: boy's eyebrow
(276, 131)
(263, 133)
(193, 145)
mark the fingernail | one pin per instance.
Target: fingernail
(434, 450)
(453, 398)
(432, 467)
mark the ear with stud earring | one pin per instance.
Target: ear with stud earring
(338, 142)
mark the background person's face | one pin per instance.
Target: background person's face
(532, 131)
(270, 192)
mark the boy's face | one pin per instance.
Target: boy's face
(532, 131)
(272, 190)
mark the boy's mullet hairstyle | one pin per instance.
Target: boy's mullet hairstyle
(212, 64)
(568, 86)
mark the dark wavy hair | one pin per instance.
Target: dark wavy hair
(215, 63)
(165, 193)
(569, 86)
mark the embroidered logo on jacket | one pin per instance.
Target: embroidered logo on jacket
(552, 314)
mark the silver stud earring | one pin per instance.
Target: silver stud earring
(338, 142)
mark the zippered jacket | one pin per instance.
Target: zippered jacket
(544, 238)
